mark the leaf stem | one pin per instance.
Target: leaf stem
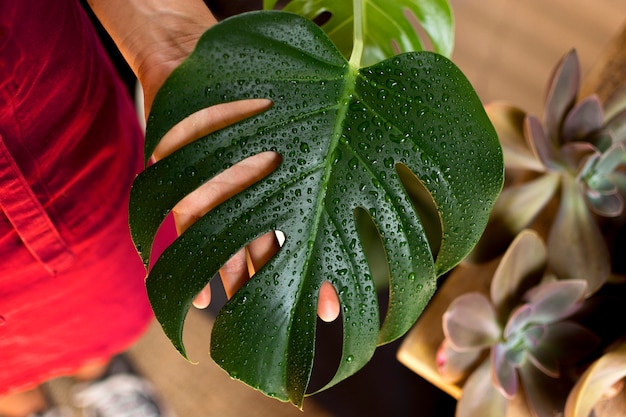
(357, 42)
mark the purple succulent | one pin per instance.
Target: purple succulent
(518, 339)
(579, 149)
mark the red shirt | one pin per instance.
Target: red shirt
(71, 284)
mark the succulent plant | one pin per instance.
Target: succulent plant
(516, 344)
(603, 380)
(580, 148)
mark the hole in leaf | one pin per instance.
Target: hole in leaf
(223, 187)
(280, 236)
(395, 47)
(280, 4)
(328, 351)
(218, 296)
(242, 266)
(165, 235)
(206, 121)
(422, 35)
(373, 248)
(424, 206)
(322, 18)
(319, 20)
(236, 272)
(376, 256)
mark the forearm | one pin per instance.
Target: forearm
(154, 36)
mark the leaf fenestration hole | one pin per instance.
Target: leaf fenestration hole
(373, 248)
(376, 256)
(322, 18)
(424, 206)
(395, 47)
(206, 121)
(247, 261)
(328, 352)
(422, 35)
(223, 186)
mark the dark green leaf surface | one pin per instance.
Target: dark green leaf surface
(341, 132)
(389, 26)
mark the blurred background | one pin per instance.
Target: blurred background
(507, 49)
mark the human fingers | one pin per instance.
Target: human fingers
(224, 185)
(262, 250)
(203, 299)
(236, 271)
(206, 121)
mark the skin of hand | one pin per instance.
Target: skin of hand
(155, 36)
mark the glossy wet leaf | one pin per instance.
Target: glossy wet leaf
(390, 26)
(341, 133)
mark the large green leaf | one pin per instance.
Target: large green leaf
(389, 25)
(342, 132)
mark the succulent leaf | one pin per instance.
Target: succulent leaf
(578, 156)
(454, 366)
(470, 323)
(561, 96)
(515, 209)
(610, 160)
(520, 268)
(544, 394)
(602, 139)
(563, 342)
(616, 126)
(480, 396)
(542, 147)
(533, 334)
(504, 372)
(545, 363)
(519, 319)
(557, 300)
(615, 103)
(576, 248)
(583, 120)
(597, 380)
(607, 204)
(560, 343)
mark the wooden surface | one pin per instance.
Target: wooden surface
(419, 349)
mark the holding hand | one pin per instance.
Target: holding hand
(155, 37)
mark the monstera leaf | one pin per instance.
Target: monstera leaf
(343, 133)
(390, 26)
